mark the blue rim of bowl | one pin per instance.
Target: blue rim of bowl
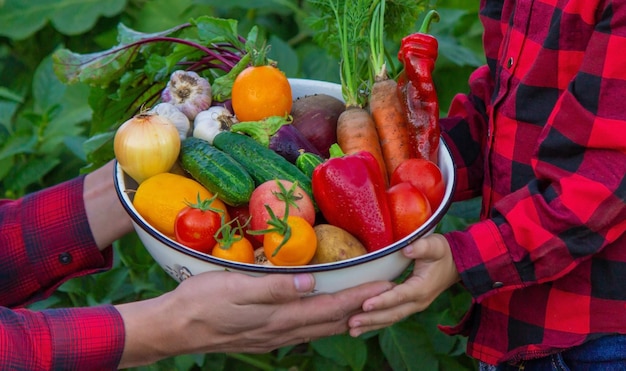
(258, 268)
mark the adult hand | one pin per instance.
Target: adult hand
(231, 312)
(433, 273)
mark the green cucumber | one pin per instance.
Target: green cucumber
(261, 162)
(217, 171)
(307, 162)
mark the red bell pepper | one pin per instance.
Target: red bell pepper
(350, 192)
(418, 53)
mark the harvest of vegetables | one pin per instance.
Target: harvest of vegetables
(219, 113)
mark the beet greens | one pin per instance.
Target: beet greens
(130, 76)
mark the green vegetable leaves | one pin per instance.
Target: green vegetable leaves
(132, 75)
(24, 17)
(102, 68)
(343, 28)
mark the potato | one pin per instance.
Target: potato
(335, 244)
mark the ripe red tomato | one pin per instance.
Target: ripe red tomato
(423, 174)
(409, 208)
(196, 228)
(276, 194)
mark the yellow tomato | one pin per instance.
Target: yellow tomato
(298, 249)
(259, 92)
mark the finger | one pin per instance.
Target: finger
(409, 291)
(331, 307)
(426, 248)
(323, 310)
(369, 321)
(392, 306)
(323, 315)
(244, 289)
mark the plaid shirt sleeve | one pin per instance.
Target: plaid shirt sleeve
(61, 339)
(45, 240)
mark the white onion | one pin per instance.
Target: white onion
(145, 145)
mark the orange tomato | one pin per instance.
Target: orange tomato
(299, 249)
(239, 249)
(259, 92)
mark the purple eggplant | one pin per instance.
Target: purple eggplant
(289, 143)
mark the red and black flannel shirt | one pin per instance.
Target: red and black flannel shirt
(44, 240)
(542, 137)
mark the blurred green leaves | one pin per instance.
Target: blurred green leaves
(21, 18)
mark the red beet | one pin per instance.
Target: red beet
(315, 116)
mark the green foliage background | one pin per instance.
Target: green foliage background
(44, 125)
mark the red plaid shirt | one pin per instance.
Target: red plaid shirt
(44, 240)
(542, 137)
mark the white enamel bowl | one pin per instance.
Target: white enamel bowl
(388, 263)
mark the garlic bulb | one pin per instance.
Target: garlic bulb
(179, 119)
(189, 92)
(211, 122)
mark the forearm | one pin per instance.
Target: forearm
(148, 326)
(107, 218)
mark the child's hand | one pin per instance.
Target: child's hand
(433, 273)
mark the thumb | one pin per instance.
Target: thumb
(431, 247)
(281, 288)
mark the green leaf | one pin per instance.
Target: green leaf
(343, 349)
(18, 144)
(107, 66)
(156, 15)
(212, 29)
(284, 54)
(243, 4)
(47, 89)
(21, 18)
(98, 69)
(450, 49)
(6, 94)
(7, 110)
(318, 65)
(406, 346)
(30, 173)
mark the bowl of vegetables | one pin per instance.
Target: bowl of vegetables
(352, 253)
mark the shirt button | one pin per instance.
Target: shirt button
(65, 258)
(509, 63)
(497, 285)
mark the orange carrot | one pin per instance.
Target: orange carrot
(391, 122)
(356, 131)
(385, 104)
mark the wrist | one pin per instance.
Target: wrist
(107, 217)
(150, 331)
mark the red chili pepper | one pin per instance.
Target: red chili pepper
(350, 193)
(418, 53)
